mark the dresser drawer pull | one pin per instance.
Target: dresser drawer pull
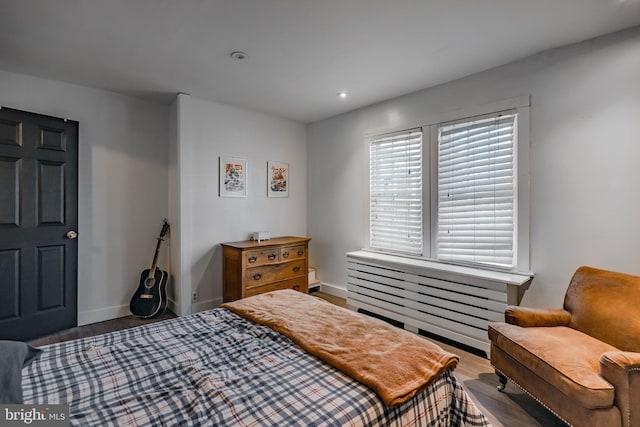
(257, 276)
(252, 259)
(296, 287)
(285, 254)
(272, 256)
(300, 252)
(296, 268)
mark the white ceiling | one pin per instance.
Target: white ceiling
(301, 52)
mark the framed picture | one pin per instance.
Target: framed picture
(233, 177)
(277, 179)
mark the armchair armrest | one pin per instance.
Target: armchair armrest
(622, 370)
(529, 317)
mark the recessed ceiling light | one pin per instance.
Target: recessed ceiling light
(342, 94)
(239, 55)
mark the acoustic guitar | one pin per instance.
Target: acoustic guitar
(150, 298)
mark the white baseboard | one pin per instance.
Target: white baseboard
(206, 305)
(172, 306)
(102, 314)
(334, 290)
(195, 307)
(108, 313)
(116, 311)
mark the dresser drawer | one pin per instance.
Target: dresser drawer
(293, 252)
(257, 276)
(298, 284)
(264, 256)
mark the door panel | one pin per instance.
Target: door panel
(38, 206)
(51, 188)
(52, 139)
(10, 132)
(50, 277)
(10, 273)
(9, 191)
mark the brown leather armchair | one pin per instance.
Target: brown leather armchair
(581, 362)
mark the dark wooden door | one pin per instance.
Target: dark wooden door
(38, 216)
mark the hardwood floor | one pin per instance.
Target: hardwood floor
(98, 328)
(514, 408)
(509, 409)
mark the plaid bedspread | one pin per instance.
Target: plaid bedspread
(215, 368)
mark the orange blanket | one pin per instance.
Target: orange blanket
(395, 363)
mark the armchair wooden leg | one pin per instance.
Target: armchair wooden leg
(503, 381)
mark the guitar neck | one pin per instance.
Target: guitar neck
(152, 270)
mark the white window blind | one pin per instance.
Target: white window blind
(395, 184)
(476, 183)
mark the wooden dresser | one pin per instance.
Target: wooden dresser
(251, 267)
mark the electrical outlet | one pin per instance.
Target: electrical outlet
(194, 296)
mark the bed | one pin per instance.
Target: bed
(219, 368)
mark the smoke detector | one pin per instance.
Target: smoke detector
(239, 55)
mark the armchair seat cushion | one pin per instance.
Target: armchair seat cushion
(565, 358)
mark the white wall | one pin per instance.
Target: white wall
(207, 131)
(585, 146)
(123, 159)
(141, 162)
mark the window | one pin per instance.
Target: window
(476, 187)
(463, 197)
(395, 189)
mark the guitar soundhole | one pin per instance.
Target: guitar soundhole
(300, 252)
(296, 269)
(252, 259)
(257, 276)
(149, 282)
(285, 255)
(272, 256)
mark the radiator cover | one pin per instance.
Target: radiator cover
(454, 302)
